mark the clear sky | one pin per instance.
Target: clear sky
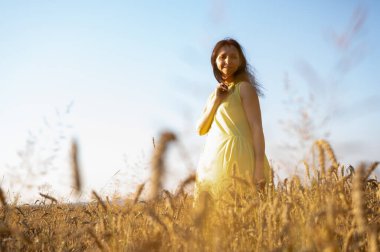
(113, 74)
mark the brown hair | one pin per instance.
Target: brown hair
(243, 73)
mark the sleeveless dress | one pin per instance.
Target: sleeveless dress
(228, 149)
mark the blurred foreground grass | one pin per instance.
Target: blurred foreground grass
(337, 209)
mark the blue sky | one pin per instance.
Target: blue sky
(114, 74)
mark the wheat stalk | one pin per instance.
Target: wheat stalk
(190, 179)
(138, 192)
(3, 199)
(53, 200)
(75, 167)
(307, 168)
(358, 200)
(98, 242)
(321, 158)
(100, 201)
(372, 240)
(169, 200)
(241, 181)
(330, 153)
(370, 170)
(347, 240)
(157, 163)
(153, 216)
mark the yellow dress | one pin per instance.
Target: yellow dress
(229, 144)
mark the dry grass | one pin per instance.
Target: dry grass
(336, 212)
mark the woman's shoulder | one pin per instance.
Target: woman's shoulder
(243, 83)
(246, 89)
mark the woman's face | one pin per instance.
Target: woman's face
(228, 60)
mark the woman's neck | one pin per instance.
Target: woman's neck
(228, 81)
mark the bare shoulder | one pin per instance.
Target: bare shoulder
(247, 91)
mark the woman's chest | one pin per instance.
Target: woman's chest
(231, 102)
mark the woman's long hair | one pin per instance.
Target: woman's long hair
(243, 73)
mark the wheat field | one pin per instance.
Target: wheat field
(335, 209)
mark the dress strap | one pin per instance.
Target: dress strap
(237, 87)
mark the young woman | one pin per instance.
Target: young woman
(232, 118)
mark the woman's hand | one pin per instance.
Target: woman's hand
(259, 178)
(221, 92)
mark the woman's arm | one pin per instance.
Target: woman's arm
(251, 107)
(209, 111)
(217, 97)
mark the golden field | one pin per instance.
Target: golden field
(336, 208)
